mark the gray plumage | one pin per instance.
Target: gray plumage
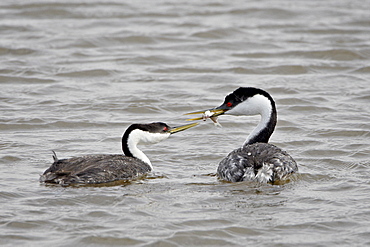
(104, 168)
(256, 160)
(260, 162)
(94, 169)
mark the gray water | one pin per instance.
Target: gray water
(75, 74)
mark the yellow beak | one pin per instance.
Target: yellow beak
(182, 127)
(216, 112)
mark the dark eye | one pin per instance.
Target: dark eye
(229, 104)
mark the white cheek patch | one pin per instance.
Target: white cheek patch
(151, 138)
(252, 106)
(144, 137)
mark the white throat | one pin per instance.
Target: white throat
(138, 136)
(256, 105)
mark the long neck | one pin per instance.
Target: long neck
(129, 147)
(266, 126)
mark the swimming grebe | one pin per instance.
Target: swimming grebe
(256, 160)
(103, 168)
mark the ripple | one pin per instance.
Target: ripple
(197, 238)
(16, 51)
(364, 69)
(217, 33)
(329, 54)
(22, 80)
(86, 73)
(108, 240)
(74, 76)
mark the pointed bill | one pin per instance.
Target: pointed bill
(182, 127)
(206, 114)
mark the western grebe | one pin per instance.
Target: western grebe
(103, 168)
(256, 160)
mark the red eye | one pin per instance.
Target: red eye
(165, 128)
(229, 104)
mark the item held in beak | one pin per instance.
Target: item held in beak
(208, 114)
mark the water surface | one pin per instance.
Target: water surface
(74, 75)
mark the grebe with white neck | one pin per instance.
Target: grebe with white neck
(256, 160)
(104, 168)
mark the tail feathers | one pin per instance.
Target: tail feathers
(54, 156)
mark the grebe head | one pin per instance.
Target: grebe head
(153, 132)
(243, 101)
(147, 134)
(247, 101)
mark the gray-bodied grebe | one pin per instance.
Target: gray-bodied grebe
(103, 168)
(256, 160)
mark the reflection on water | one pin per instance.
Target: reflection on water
(75, 75)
